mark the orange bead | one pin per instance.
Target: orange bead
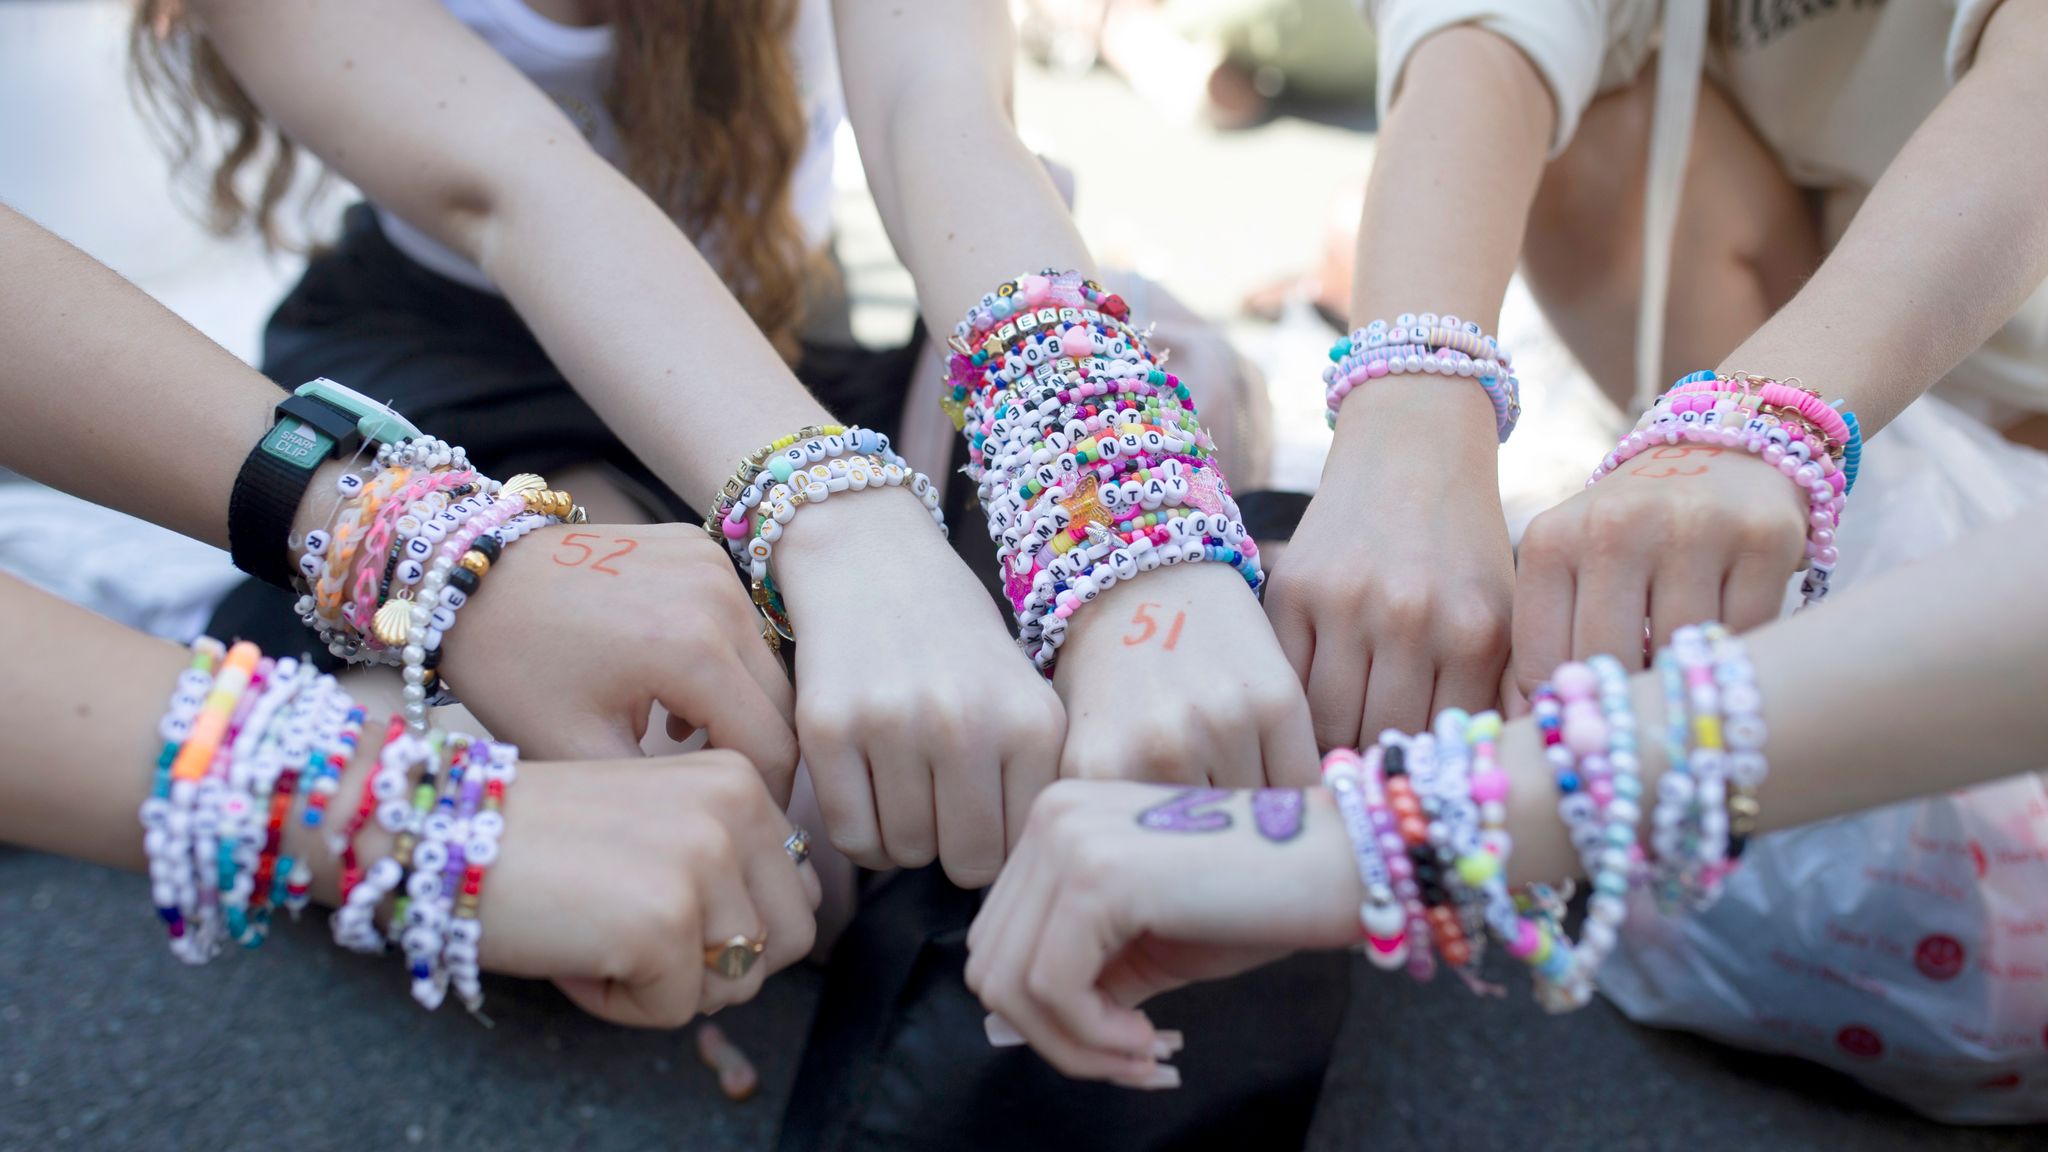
(1413, 830)
(1457, 953)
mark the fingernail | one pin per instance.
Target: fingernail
(1163, 1076)
(1165, 1043)
(1000, 1034)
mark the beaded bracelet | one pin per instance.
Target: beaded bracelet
(1428, 344)
(1381, 920)
(1427, 816)
(1087, 457)
(1816, 474)
(803, 470)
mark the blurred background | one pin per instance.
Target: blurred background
(1252, 121)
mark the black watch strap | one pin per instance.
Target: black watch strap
(274, 479)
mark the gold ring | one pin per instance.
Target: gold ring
(734, 958)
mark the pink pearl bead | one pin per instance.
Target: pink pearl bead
(1585, 730)
(1828, 556)
(1772, 454)
(1823, 536)
(1602, 791)
(1527, 938)
(1575, 681)
(1489, 785)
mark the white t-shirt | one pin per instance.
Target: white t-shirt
(573, 66)
(1833, 90)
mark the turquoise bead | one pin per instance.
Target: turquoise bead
(780, 468)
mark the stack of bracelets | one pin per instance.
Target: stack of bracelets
(1424, 344)
(1087, 456)
(406, 545)
(1427, 817)
(246, 739)
(1790, 427)
(779, 478)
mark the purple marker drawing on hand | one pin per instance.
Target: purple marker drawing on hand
(1179, 814)
(1278, 812)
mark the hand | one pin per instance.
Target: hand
(579, 630)
(1682, 534)
(1175, 677)
(926, 730)
(1392, 600)
(615, 877)
(1119, 892)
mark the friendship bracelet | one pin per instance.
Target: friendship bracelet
(1424, 344)
(1087, 457)
(790, 473)
(1815, 472)
(1381, 920)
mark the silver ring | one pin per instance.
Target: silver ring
(798, 846)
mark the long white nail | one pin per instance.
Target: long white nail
(1165, 1043)
(1000, 1034)
(1163, 1076)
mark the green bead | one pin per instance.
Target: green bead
(780, 468)
(1478, 868)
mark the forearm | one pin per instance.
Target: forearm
(1935, 261)
(631, 313)
(114, 399)
(1928, 679)
(78, 724)
(78, 736)
(1899, 690)
(433, 124)
(966, 204)
(1454, 173)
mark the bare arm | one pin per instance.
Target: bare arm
(1950, 242)
(1395, 597)
(403, 100)
(966, 204)
(1902, 690)
(111, 397)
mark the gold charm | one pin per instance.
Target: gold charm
(393, 623)
(522, 484)
(475, 561)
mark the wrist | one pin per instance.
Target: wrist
(1450, 414)
(850, 535)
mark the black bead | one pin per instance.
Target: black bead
(433, 658)
(463, 580)
(1395, 760)
(489, 545)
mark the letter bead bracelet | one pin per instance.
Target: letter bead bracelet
(775, 481)
(1087, 457)
(1424, 344)
(1788, 427)
(408, 542)
(1427, 817)
(246, 739)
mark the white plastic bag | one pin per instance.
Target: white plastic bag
(1907, 947)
